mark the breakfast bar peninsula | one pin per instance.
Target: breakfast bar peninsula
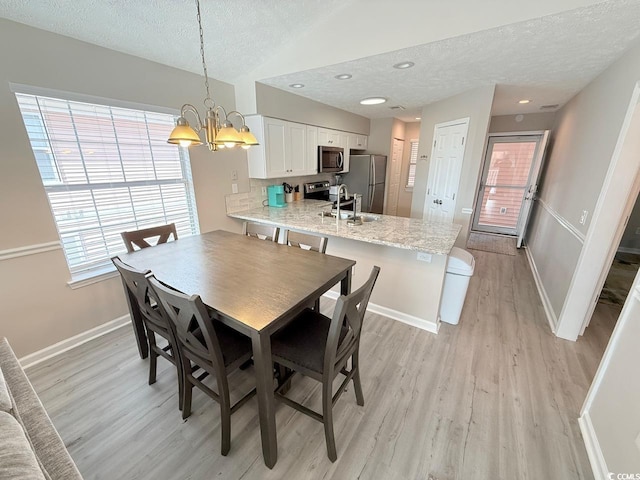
(412, 254)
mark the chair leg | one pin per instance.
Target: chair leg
(153, 357)
(357, 386)
(327, 419)
(176, 357)
(187, 389)
(225, 414)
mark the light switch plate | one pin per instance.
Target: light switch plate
(264, 190)
(234, 175)
(234, 188)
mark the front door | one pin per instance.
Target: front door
(509, 183)
(445, 168)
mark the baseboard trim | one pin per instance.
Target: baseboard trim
(546, 303)
(629, 250)
(72, 342)
(417, 322)
(594, 452)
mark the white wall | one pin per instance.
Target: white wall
(581, 148)
(273, 102)
(475, 104)
(528, 122)
(38, 308)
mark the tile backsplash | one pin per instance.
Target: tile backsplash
(237, 202)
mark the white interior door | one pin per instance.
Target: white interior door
(509, 183)
(445, 168)
(394, 176)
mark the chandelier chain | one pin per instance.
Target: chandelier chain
(207, 101)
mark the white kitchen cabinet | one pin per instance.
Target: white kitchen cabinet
(312, 149)
(330, 138)
(357, 142)
(283, 149)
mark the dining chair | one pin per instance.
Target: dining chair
(139, 238)
(320, 347)
(261, 231)
(137, 283)
(207, 346)
(305, 241)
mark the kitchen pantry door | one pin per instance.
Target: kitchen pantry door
(445, 168)
(509, 183)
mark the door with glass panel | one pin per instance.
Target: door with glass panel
(509, 183)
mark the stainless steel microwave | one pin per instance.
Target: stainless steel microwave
(330, 159)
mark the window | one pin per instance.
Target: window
(413, 161)
(106, 170)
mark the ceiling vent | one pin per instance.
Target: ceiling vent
(397, 107)
(550, 107)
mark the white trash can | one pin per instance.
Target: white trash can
(460, 266)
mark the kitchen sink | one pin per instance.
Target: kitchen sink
(360, 219)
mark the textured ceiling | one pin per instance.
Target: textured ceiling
(546, 59)
(238, 33)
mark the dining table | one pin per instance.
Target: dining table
(255, 286)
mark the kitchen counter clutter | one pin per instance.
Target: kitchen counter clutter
(399, 232)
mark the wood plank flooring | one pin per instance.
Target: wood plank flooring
(495, 397)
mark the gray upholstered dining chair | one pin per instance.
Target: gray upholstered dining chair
(258, 230)
(139, 238)
(206, 347)
(137, 282)
(320, 347)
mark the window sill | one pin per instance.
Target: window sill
(408, 189)
(94, 276)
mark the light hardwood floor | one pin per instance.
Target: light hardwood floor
(495, 397)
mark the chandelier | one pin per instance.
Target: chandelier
(219, 132)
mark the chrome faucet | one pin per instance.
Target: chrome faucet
(346, 194)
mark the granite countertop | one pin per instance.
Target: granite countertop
(407, 233)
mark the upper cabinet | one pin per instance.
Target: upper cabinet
(284, 149)
(330, 138)
(289, 149)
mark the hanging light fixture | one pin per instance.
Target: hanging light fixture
(219, 132)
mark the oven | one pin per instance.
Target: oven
(321, 191)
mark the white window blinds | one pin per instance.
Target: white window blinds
(413, 161)
(107, 170)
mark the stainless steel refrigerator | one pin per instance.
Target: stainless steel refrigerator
(367, 174)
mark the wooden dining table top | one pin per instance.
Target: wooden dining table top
(250, 281)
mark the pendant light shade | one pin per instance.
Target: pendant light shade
(228, 136)
(184, 135)
(247, 137)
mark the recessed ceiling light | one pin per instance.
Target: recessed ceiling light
(403, 65)
(418, 118)
(343, 76)
(373, 101)
(524, 101)
(296, 85)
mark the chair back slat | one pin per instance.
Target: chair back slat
(260, 231)
(350, 310)
(139, 238)
(137, 282)
(305, 241)
(189, 316)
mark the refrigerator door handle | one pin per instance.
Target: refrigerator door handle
(372, 192)
(373, 178)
